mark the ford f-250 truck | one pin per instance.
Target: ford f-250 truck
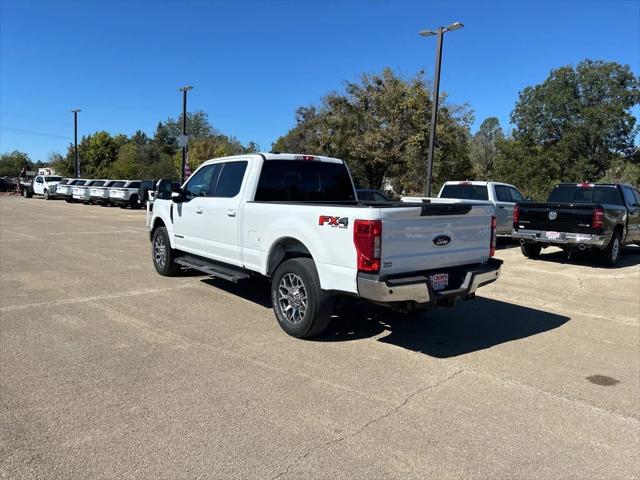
(296, 220)
(601, 217)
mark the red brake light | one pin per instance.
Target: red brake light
(516, 216)
(465, 183)
(304, 157)
(597, 220)
(367, 240)
(585, 185)
(494, 239)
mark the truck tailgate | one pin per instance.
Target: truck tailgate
(557, 217)
(434, 236)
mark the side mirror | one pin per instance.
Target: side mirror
(164, 189)
(177, 197)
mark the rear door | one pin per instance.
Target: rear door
(222, 227)
(504, 208)
(188, 216)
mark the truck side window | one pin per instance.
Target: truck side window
(39, 179)
(198, 184)
(516, 196)
(629, 197)
(230, 179)
(503, 194)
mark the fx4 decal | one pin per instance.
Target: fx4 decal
(340, 222)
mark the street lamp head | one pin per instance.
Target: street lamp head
(76, 110)
(454, 26)
(427, 33)
(186, 88)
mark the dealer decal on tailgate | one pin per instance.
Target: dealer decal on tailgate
(340, 222)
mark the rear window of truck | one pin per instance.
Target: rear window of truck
(117, 184)
(578, 194)
(304, 181)
(465, 192)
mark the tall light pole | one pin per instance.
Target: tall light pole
(184, 91)
(436, 89)
(75, 142)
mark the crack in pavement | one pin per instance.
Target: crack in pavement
(372, 421)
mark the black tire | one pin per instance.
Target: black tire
(122, 206)
(162, 254)
(46, 195)
(293, 281)
(612, 253)
(26, 193)
(67, 200)
(530, 250)
(133, 202)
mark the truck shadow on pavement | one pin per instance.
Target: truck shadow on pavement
(630, 258)
(441, 333)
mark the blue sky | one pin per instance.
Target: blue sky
(253, 63)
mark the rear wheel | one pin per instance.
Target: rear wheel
(26, 193)
(133, 202)
(530, 250)
(302, 308)
(163, 254)
(613, 251)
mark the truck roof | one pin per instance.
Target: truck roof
(475, 182)
(277, 156)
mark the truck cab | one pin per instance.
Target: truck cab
(501, 195)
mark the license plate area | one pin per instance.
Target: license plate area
(553, 235)
(439, 281)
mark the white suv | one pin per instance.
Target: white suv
(127, 195)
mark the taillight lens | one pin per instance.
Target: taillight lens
(516, 216)
(492, 248)
(597, 220)
(367, 235)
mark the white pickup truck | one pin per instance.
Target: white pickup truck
(501, 195)
(44, 185)
(296, 220)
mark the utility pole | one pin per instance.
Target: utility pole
(184, 91)
(75, 142)
(436, 90)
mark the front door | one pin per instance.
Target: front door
(188, 215)
(222, 213)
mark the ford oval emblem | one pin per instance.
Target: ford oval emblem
(553, 215)
(441, 240)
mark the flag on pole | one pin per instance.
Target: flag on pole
(187, 168)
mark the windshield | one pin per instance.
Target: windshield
(465, 191)
(117, 184)
(80, 183)
(64, 181)
(577, 194)
(304, 181)
(52, 179)
(97, 183)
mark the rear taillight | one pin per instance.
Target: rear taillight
(597, 220)
(367, 235)
(516, 216)
(492, 247)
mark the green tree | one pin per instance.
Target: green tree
(97, 152)
(574, 126)
(380, 126)
(12, 163)
(483, 147)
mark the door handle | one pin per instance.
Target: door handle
(199, 210)
(500, 206)
(231, 213)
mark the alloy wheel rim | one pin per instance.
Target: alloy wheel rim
(292, 298)
(160, 251)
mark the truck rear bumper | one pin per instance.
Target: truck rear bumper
(566, 238)
(417, 288)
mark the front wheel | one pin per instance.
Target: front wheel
(163, 254)
(613, 251)
(46, 195)
(530, 250)
(302, 308)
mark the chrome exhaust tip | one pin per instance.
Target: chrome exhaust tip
(582, 247)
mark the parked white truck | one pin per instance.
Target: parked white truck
(296, 220)
(44, 185)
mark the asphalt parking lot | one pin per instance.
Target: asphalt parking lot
(110, 370)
